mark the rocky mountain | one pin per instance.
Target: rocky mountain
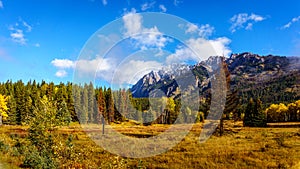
(270, 78)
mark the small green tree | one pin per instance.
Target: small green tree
(41, 154)
(63, 115)
(46, 147)
(254, 115)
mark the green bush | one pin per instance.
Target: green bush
(39, 159)
(3, 147)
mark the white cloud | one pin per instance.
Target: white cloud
(104, 2)
(61, 73)
(85, 67)
(147, 6)
(150, 38)
(296, 19)
(1, 4)
(132, 23)
(200, 49)
(82, 65)
(162, 8)
(17, 35)
(128, 72)
(256, 18)
(240, 20)
(91, 66)
(144, 37)
(220, 46)
(203, 30)
(63, 63)
(37, 45)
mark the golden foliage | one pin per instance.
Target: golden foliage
(3, 106)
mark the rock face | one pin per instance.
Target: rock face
(250, 74)
(163, 80)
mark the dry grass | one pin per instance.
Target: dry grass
(239, 147)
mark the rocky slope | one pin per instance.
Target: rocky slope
(271, 78)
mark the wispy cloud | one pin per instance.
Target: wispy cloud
(104, 2)
(177, 2)
(17, 31)
(17, 35)
(27, 26)
(37, 45)
(296, 19)
(244, 20)
(205, 30)
(162, 8)
(1, 5)
(147, 5)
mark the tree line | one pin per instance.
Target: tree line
(87, 104)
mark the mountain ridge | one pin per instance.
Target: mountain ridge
(250, 74)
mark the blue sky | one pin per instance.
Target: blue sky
(43, 39)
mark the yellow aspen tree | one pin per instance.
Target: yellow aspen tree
(3, 108)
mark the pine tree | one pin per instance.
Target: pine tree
(254, 115)
(63, 115)
(91, 103)
(249, 113)
(46, 145)
(110, 106)
(259, 116)
(130, 109)
(19, 89)
(83, 117)
(70, 101)
(77, 92)
(101, 107)
(11, 104)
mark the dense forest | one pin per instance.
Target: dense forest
(87, 104)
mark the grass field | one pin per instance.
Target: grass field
(239, 147)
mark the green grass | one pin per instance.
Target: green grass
(239, 147)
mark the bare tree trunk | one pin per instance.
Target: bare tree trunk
(103, 124)
(221, 126)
